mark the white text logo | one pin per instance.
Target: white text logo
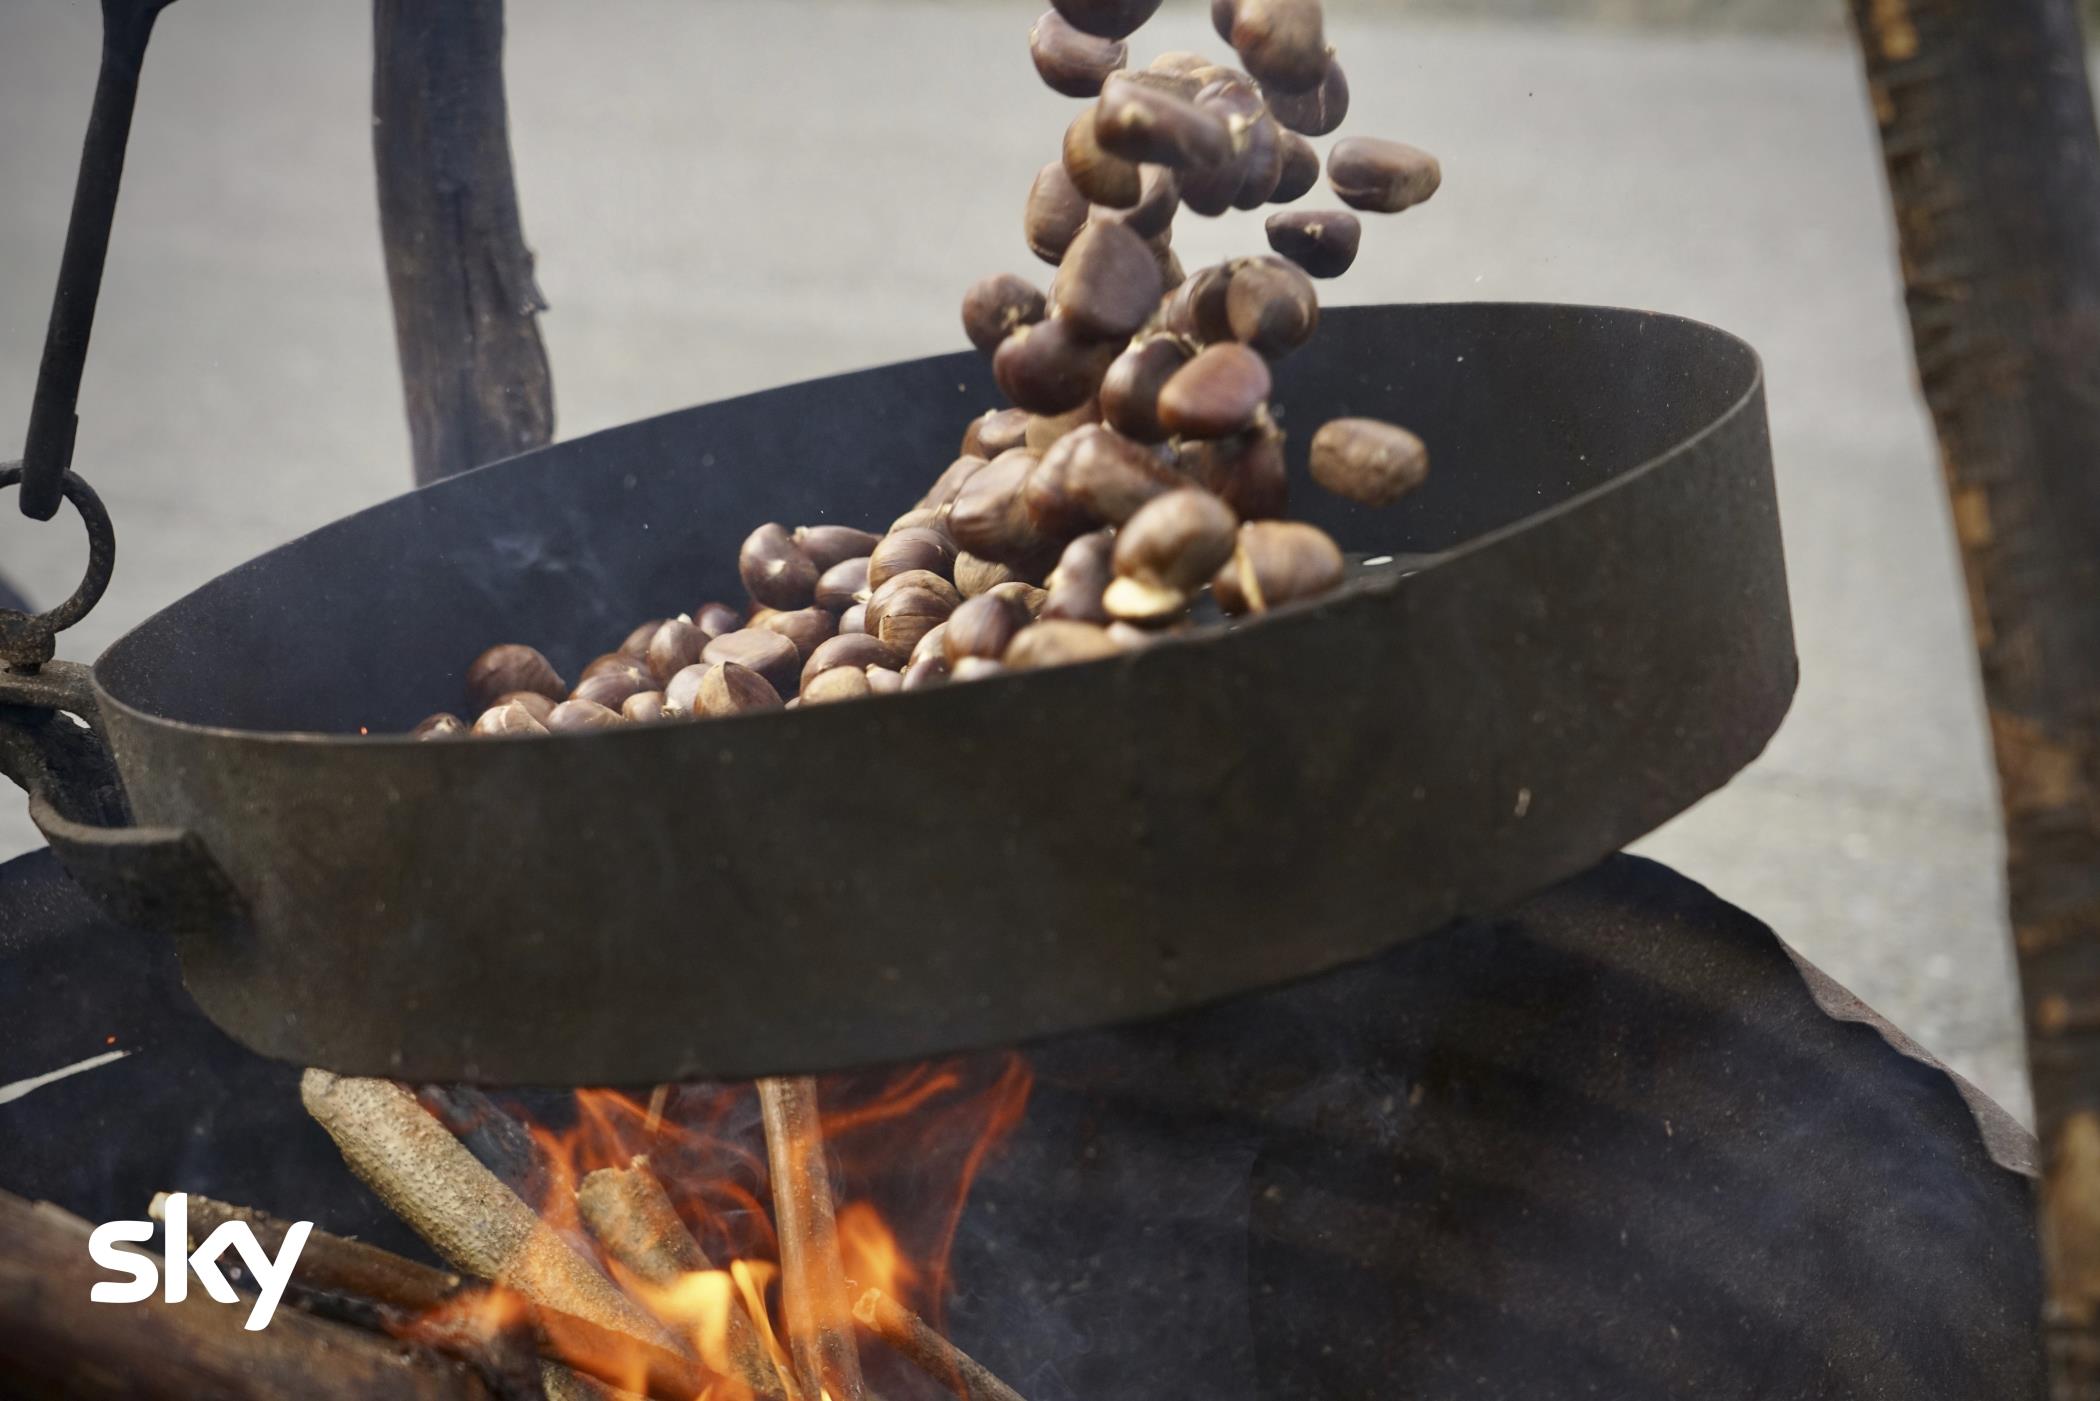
(271, 1276)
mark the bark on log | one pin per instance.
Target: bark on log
(423, 1174)
(940, 1360)
(472, 365)
(54, 1342)
(1987, 128)
(814, 1303)
(631, 1217)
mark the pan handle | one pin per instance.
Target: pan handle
(151, 877)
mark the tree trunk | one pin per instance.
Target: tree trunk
(472, 365)
(1994, 168)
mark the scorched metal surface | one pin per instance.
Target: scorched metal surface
(1587, 632)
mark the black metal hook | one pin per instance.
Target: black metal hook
(47, 452)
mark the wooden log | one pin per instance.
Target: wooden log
(942, 1361)
(815, 1305)
(406, 1296)
(631, 1217)
(495, 1136)
(1987, 130)
(54, 1342)
(435, 1185)
(472, 364)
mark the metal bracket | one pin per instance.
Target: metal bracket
(58, 760)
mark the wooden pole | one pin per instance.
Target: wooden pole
(1994, 170)
(472, 366)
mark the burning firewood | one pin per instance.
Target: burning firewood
(469, 1217)
(451, 1312)
(631, 1217)
(814, 1300)
(915, 1340)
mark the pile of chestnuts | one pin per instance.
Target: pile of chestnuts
(1138, 475)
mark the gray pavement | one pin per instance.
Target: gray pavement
(750, 191)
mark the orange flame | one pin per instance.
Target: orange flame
(905, 1149)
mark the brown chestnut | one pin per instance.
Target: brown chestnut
(612, 688)
(1277, 562)
(1053, 643)
(1321, 241)
(643, 708)
(913, 547)
(1282, 42)
(1044, 430)
(1130, 389)
(534, 704)
(637, 643)
(982, 627)
(1071, 61)
(974, 576)
(1159, 197)
(990, 519)
(1272, 306)
(1093, 477)
(507, 721)
(805, 627)
(733, 689)
(843, 585)
(512, 667)
(1082, 573)
(839, 683)
(1301, 168)
(901, 616)
(1101, 177)
(854, 651)
(997, 306)
(1368, 461)
(573, 716)
(994, 432)
(1383, 177)
(1175, 542)
(1109, 284)
(1246, 470)
(883, 681)
(774, 568)
(1318, 110)
(763, 651)
(676, 646)
(1197, 308)
(1108, 19)
(1051, 367)
(1054, 214)
(714, 619)
(682, 692)
(1142, 123)
(1218, 392)
(828, 545)
(926, 672)
(443, 725)
(1029, 596)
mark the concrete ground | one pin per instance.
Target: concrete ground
(721, 201)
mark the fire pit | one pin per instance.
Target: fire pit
(1614, 1142)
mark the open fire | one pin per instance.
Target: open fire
(783, 1240)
